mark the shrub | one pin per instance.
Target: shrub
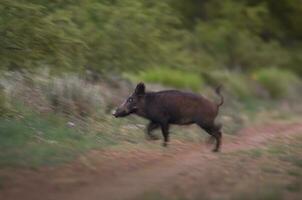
(172, 77)
(277, 82)
(72, 95)
(237, 84)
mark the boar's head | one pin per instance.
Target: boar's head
(132, 103)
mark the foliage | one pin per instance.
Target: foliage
(243, 34)
(233, 82)
(238, 49)
(277, 82)
(126, 35)
(91, 34)
(31, 37)
(171, 77)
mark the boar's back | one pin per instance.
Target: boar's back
(179, 107)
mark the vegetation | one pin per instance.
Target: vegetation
(66, 64)
(34, 140)
(67, 60)
(277, 82)
(53, 120)
(236, 83)
(102, 35)
(2, 101)
(170, 77)
(242, 37)
(72, 95)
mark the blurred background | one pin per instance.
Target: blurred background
(66, 64)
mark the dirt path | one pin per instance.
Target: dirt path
(127, 175)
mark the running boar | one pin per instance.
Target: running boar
(173, 107)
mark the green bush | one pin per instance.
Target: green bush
(235, 83)
(172, 77)
(277, 82)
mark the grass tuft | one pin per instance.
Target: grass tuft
(171, 77)
(32, 139)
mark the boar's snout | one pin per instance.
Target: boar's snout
(119, 113)
(114, 113)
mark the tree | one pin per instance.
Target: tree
(30, 37)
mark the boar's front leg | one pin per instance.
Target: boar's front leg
(151, 127)
(165, 132)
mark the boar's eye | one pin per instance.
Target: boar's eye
(130, 99)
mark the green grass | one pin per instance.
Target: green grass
(170, 77)
(294, 173)
(290, 153)
(3, 108)
(266, 193)
(255, 153)
(33, 140)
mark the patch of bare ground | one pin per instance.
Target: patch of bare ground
(182, 169)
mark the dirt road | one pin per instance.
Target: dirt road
(184, 168)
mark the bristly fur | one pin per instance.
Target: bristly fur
(173, 107)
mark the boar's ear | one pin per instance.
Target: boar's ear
(140, 89)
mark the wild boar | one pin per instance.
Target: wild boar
(173, 107)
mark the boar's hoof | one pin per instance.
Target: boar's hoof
(216, 150)
(211, 140)
(165, 144)
(153, 137)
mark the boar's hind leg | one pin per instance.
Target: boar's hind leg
(165, 131)
(151, 127)
(214, 131)
(218, 136)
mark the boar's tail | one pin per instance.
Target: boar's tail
(218, 92)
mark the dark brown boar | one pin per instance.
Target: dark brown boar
(173, 107)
